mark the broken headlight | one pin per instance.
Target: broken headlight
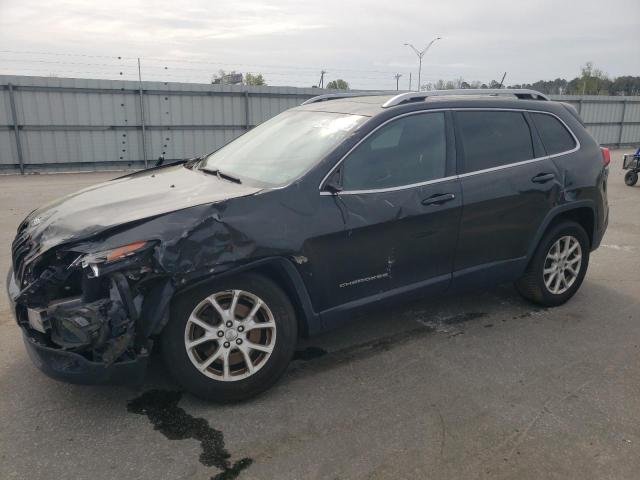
(96, 259)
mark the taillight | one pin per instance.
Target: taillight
(606, 156)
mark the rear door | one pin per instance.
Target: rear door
(401, 205)
(508, 186)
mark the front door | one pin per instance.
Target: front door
(401, 206)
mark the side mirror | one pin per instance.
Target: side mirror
(332, 187)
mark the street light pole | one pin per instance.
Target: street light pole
(420, 54)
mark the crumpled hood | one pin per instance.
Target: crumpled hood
(126, 199)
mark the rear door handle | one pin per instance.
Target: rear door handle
(543, 177)
(439, 199)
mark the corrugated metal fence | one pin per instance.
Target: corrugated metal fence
(613, 121)
(65, 124)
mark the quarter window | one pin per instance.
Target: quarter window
(555, 137)
(492, 139)
(408, 150)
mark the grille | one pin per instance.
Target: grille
(20, 249)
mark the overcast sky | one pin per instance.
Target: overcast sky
(291, 41)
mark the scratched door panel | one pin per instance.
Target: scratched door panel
(392, 240)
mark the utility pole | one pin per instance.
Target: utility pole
(321, 82)
(409, 81)
(397, 77)
(420, 54)
(502, 81)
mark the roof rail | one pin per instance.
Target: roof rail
(522, 93)
(334, 96)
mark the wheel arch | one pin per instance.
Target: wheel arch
(283, 273)
(582, 212)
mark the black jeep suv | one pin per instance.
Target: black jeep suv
(344, 202)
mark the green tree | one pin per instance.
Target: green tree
(254, 80)
(227, 78)
(592, 81)
(551, 87)
(446, 85)
(338, 84)
(626, 85)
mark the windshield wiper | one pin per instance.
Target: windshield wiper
(222, 175)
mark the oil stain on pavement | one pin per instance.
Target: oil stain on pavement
(161, 407)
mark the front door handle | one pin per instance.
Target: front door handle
(439, 199)
(543, 177)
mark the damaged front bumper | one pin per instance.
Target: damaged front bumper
(71, 367)
(61, 338)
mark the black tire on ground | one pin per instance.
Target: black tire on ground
(631, 178)
(532, 286)
(188, 376)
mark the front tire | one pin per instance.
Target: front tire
(631, 178)
(558, 266)
(230, 340)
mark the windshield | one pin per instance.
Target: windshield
(284, 147)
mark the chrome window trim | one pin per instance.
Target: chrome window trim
(393, 189)
(452, 177)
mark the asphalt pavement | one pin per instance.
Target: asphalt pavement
(483, 385)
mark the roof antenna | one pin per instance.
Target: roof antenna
(502, 81)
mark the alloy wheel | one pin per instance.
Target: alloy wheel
(562, 264)
(230, 335)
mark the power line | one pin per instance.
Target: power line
(166, 70)
(64, 54)
(52, 62)
(206, 62)
(124, 68)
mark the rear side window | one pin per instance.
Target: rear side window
(493, 139)
(406, 151)
(555, 137)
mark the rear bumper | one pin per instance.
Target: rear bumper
(598, 234)
(69, 366)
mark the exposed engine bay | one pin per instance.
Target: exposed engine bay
(90, 304)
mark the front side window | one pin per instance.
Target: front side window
(555, 137)
(284, 147)
(493, 138)
(406, 151)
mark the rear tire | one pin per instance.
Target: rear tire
(230, 340)
(558, 266)
(631, 178)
